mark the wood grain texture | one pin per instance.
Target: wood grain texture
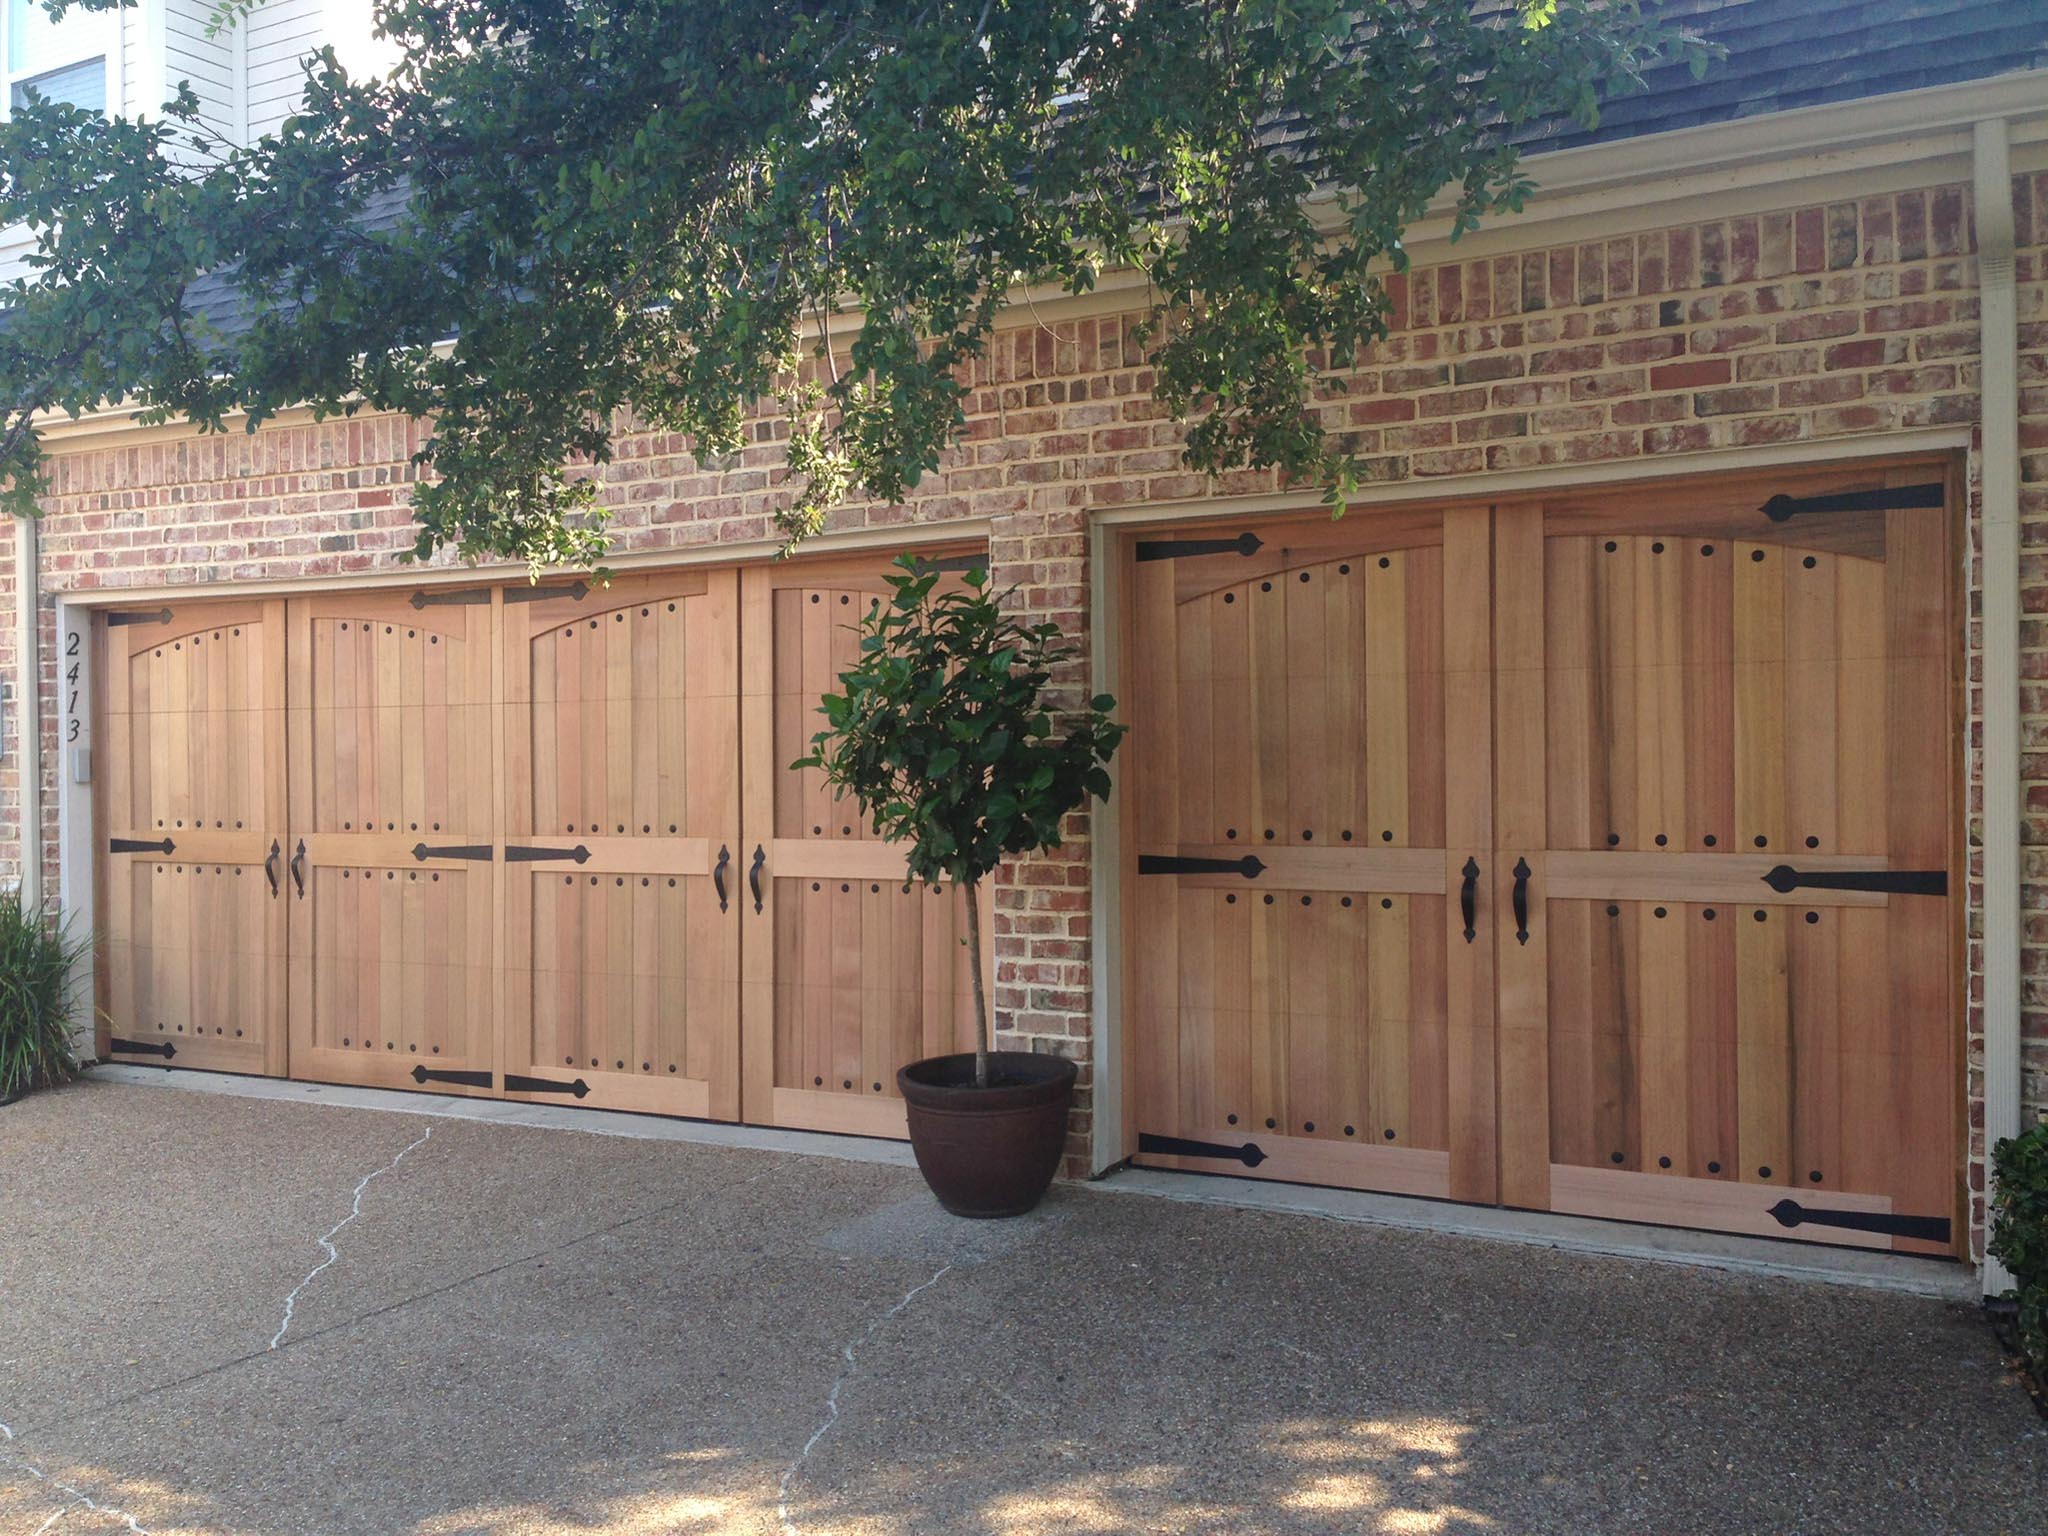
(850, 972)
(1654, 698)
(1720, 698)
(390, 726)
(621, 721)
(1291, 707)
(193, 942)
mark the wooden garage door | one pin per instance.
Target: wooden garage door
(393, 910)
(1307, 775)
(1726, 746)
(622, 824)
(514, 859)
(1711, 825)
(850, 970)
(192, 805)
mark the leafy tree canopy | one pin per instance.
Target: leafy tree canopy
(558, 215)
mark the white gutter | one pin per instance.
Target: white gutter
(1999, 483)
(28, 733)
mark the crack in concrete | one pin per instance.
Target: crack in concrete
(327, 1239)
(846, 1371)
(76, 1498)
(398, 1304)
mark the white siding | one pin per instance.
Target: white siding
(206, 63)
(280, 34)
(248, 78)
(135, 91)
(122, 31)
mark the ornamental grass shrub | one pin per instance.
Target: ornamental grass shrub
(39, 975)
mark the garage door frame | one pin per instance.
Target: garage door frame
(1945, 451)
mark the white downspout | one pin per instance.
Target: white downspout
(1999, 486)
(28, 715)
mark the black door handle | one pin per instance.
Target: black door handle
(270, 865)
(754, 874)
(299, 868)
(1522, 873)
(718, 874)
(1468, 898)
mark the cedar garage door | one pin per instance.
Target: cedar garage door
(532, 841)
(1591, 854)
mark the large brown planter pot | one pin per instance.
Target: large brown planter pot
(988, 1151)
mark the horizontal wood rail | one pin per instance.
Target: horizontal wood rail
(1738, 878)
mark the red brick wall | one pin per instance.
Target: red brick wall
(10, 742)
(1804, 324)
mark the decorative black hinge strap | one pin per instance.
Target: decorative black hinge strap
(1929, 1229)
(451, 1075)
(1167, 864)
(1175, 549)
(1893, 497)
(138, 845)
(1899, 882)
(469, 597)
(162, 1048)
(541, 594)
(514, 1083)
(158, 616)
(1176, 1146)
(452, 851)
(516, 854)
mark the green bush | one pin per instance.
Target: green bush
(38, 979)
(2019, 1234)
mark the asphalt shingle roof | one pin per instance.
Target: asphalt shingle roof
(1783, 54)
(1779, 55)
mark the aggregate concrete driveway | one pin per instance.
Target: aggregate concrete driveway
(541, 1331)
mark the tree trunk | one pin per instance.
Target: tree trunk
(973, 888)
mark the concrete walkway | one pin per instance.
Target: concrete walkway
(230, 1315)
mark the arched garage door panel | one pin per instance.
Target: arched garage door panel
(392, 900)
(1310, 749)
(622, 803)
(1709, 822)
(1736, 992)
(850, 971)
(192, 808)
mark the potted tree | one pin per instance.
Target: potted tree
(944, 737)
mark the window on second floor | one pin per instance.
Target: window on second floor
(59, 60)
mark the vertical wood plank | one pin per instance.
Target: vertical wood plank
(1154, 819)
(1468, 784)
(1522, 808)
